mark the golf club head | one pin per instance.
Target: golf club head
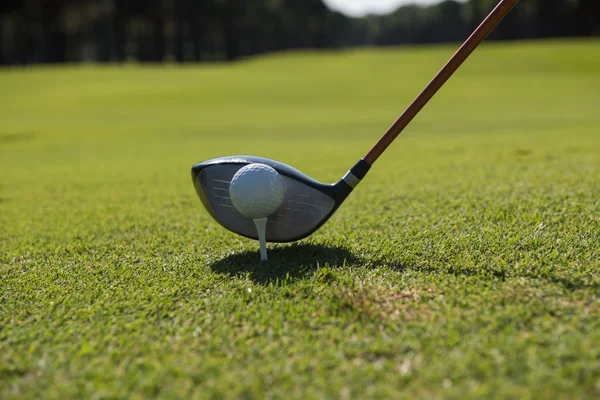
(307, 204)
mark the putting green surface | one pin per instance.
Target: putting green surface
(467, 263)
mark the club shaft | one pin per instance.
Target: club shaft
(482, 31)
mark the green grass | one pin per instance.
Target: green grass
(466, 264)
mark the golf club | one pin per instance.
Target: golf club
(307, 204)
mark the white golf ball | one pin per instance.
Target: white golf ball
(256, 190)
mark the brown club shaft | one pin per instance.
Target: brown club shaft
(482, 31)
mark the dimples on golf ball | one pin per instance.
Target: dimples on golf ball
(256, 190)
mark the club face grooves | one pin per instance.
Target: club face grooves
(307, 205)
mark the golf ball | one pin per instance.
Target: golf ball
(256, 190)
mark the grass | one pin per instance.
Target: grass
(467, 263)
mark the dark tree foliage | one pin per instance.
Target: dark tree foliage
(153, 31)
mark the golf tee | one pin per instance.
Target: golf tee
(261, 227)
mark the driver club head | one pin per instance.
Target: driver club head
(307, 204)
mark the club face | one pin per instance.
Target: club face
(306, 206)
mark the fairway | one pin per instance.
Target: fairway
(467, 263)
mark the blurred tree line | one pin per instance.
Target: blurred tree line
(47, 31)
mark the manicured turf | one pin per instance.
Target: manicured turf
(467, 263)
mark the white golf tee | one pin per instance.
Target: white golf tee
(261, 227)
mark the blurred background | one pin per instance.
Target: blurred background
(154, 31)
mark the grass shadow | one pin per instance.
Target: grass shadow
(285, 262)
(10, 137)
(500, 274)
(575, 283)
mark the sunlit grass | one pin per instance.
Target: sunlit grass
(465, 264)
